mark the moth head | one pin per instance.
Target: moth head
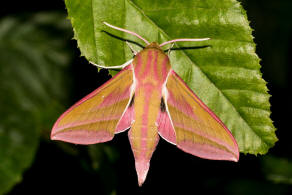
(153, 45)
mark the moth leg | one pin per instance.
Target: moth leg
(131, 48)
(113, 67)
(169, 49)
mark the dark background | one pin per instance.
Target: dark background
(56, 171)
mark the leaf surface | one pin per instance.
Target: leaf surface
(224, 72)
(32, 70)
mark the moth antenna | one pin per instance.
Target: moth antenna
(180, 40)
(127, 31)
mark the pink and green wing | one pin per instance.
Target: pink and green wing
(99, 115)
(192, 126)
(164, 125)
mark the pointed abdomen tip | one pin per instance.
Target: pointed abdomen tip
(142, 168)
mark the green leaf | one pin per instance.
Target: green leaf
(278, 170)
(224, 72)
(33, 62)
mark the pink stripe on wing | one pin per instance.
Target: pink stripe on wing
(87, 122)
(204, 135)
(206, 151)
(113, 98)
(83, 137)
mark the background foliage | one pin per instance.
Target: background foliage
(40, 78)
(29, 96)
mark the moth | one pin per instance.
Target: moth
(151, 100)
